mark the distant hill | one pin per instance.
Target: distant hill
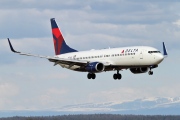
(145, 106)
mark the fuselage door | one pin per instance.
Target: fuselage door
(141, 54)
(74, 57)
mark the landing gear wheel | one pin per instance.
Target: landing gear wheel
(91, 76)
(119, 76)
(115, 76)
(150, 72)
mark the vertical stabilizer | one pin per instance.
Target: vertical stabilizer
(60, 45)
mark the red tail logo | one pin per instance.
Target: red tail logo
(60, 45)
(122, 51)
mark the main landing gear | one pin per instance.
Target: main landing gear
(91, 75)
(117, 75)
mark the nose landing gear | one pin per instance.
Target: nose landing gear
(150, 72)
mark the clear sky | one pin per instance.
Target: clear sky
(35, 84)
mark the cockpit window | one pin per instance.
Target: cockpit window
(154, 52)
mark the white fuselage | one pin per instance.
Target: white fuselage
(136, 56)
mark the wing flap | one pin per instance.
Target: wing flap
(68, 61)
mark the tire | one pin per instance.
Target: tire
(93, 76)
(115, 76)
(151, 72)
(89, 75)
(119, 76)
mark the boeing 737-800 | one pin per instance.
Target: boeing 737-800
(138, 59)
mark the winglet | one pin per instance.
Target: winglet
(11, 47)
(164, 50)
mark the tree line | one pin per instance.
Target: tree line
(99, 117)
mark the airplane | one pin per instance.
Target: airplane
(138, 59)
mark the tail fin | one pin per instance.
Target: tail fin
(60, 45)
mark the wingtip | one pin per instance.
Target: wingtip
(9, 41)
(11, 47)
(165, 50)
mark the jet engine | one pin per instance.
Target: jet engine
(95, 67)
(139, 70)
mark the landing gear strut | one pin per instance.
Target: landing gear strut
(117, 75)
(91, 76)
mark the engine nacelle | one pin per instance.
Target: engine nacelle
(95, 67)
(139, 70)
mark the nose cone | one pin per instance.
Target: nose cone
(159, 58)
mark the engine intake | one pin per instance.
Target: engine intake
(139, 70)
(95, 67)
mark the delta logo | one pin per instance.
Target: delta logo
(122, 51)
(129, 51)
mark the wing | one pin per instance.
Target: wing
(56, 60)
